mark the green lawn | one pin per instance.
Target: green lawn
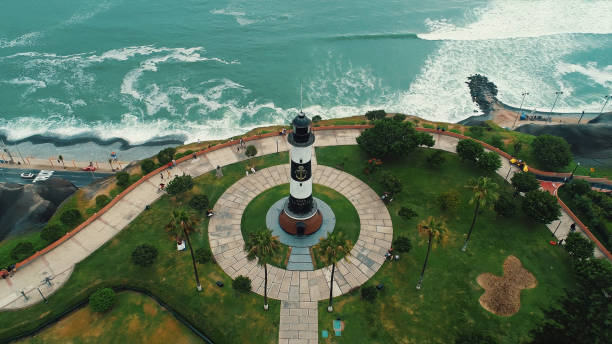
(134, 318)
(347, 219)
(221, 313)
(448, 302)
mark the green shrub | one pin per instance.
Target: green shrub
(474, 338)
(406, 213)
(497, 142)
(551, 152)
(390, 138)
(368, 292)
(399, 117)
(506, 205)
(469, 150)
(71, 217)
(242, 284)
(541, 206)
(489, 161)
(579, 247)
(123, 179)
(390, 182)
(476, 131)
(52, 232)
(316, 118)
(102, 200)
(203, 255)
(102, 300)
(147, 166)
(517, 147)
(166, 155)
(22, 251)
(578, 187)
(456, 131)
(436, 159)
(199, 202)
(525, 182)
(251, 151)
(375, 114)
(448, 200)
(144, 255)
(402, 244)
(180, 184)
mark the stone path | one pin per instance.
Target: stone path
(299, 323)
(300, 259)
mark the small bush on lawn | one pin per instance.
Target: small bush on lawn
(525, 182)
(180, 184)
(448, 200)
(52, 232)
(375, 114)
(102, 300)
(436, 159)
(199, 202)
(406, 213)
(402, 244)
(399, 117)
(474, 338)
(203, 255)
(147, 166)
(123, 179)
(316, 118)
(505, 205)
(71, 217)
(489, 161)
(390, 182)
(242, 284)
(469, 150)
(497, 142)
(477, 131)
(144, 255)
(22, 250)
(102, 200)
(368, 292)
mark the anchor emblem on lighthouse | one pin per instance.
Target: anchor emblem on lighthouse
(301, 173)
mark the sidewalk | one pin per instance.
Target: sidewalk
(68, 165)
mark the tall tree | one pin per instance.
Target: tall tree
(392, 138)
(334, 247)
(484, 195)
(436, 231)
(180, 220)
(263, 246)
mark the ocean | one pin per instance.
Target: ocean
(82, 78)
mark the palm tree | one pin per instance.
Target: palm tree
(334, 247)
(180, 220)
(435, 231)
(484, 195)
(263, 246)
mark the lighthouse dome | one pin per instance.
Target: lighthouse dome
(302, 135)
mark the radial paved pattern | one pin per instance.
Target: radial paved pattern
(300, 290)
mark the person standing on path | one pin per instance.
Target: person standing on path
(573, 227)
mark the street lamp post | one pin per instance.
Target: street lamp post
(580, 119)
(605, 103)
(574, 170)
(558, 93)
(520, 108)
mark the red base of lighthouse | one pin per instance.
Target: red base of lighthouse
(300, 227)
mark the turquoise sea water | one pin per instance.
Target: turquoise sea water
(143, 71)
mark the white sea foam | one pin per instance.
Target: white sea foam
(23, 40)
(602, 76)
(503, 19)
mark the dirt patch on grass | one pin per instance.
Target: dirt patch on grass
(503, 294)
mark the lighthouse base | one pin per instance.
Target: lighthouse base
(300, 227)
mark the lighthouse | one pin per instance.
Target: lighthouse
(300, 215)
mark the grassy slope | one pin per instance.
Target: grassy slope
(448, 302)
(347, 219)
(134, 318)
(221, 313)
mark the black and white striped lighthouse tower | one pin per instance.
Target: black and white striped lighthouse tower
(300, 215)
